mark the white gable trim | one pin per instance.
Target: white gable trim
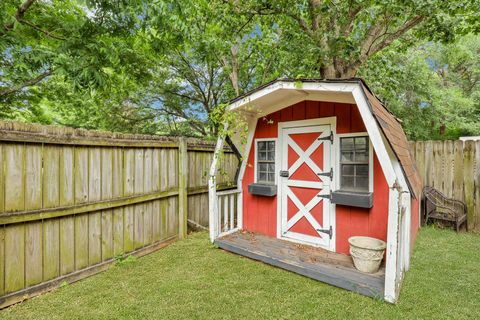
(305, 89)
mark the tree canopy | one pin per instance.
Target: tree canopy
(169, 67)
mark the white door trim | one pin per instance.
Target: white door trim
(332, 121)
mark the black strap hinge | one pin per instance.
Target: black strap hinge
(328, 231)
(327, 174)
(329, 137)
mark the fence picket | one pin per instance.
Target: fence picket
(476, 225)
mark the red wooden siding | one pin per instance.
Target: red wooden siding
(260, 213)
(353, 221)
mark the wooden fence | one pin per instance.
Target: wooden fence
(73, 200)
(453, 167)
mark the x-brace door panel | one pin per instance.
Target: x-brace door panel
(306, 182)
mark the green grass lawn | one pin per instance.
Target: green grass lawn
(192, 279)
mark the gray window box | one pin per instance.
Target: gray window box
(353, 199)
(262, 189)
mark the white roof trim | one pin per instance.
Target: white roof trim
(306, 88)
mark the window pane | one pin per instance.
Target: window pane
(262, 155)
(271, 167)
(362, 170)
(262, 167)
(347, 156)
(271, 156)
(361, 155)
(271, 177)
(348, 169)
(361, 183)
(347, 143)
(262, 145)
(347, 182)
(271, 145)
(361, 143)
(262, 176)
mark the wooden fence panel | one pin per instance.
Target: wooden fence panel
(453, 167)
(67, 164)
(2, 260)
(67, 245)
(81, 175)
(449, 168)
(72, 200)
(51, 249)
(33, 253)
(458, 170)
(33, 177)
(477, 186)
(15, 264)
(14, 168)
(51, 177)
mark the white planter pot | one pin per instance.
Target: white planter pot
(367, 253)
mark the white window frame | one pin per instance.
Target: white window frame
(255, 164)
(337, 172)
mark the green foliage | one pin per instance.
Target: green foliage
(217, 54)
(73, 63)
(332, 39)
(433, 88)
(123, 261)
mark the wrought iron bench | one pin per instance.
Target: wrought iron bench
(439, 207)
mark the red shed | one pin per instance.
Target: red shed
(324, 161)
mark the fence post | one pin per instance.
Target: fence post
(182, 188)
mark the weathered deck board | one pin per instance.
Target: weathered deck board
(332, 268)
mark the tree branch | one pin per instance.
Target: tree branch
(31, 82)
(369, 48)
(181, 95)
(19, 16)
(302, 23)
(312, 8)
(352, 14)
(397, 34)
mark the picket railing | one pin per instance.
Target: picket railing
(227, 219)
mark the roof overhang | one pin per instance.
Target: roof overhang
(284, 92)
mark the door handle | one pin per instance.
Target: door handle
(284, 173)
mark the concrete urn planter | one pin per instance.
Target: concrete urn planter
(367, 253)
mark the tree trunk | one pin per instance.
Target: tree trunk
(337, 71)
(328, 72)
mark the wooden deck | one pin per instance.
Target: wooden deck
(316, 263)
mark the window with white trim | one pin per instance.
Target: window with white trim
(354, 163)
(265, 157)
